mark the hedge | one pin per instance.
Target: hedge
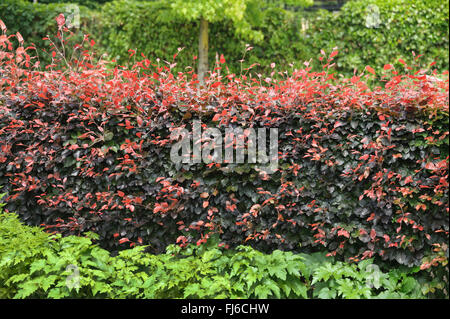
(289, 37)
(150, 28)
(378, 32)
(87, 3)
(361, 173)
(34, 264)
(36, 21)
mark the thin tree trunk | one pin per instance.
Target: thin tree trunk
(203, 50)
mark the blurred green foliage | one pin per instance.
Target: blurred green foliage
(366, 32)
(86, 3)
(37, 21)
(243, 13)
(378, 32)
(151, 28)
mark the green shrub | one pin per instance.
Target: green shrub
(86, 3)
(378, 32)
(36, 21)
(148, 27)
(34, 264)
(403, 26)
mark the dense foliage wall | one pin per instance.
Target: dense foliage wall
(37, 21)
(374, 32)
(362, 172)
(371, 32)
(377, 32)
(86, 3)
(150, 28)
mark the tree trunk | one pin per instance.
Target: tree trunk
(203, 50)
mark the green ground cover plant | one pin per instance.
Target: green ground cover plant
(35, 264)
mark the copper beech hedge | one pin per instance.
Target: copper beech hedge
(362, 172)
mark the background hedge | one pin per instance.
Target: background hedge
(290, 37)
(402, 27)
(37, 21)
(86, 3)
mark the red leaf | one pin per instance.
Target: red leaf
(333, 54)
(19, 38)
(431, 166)
(337, 124)
(60, 20)
(421, 206)
(364, 157)
(182, 239)
(2, 26)
(123, 240)
(343, 232)
(408, 180)
(216, 117)
(371, 70)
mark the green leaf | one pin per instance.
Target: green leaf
(262, 291)
(326, 293)
(108, 136)
(408, 285)
(192, 290)
(37, 265)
